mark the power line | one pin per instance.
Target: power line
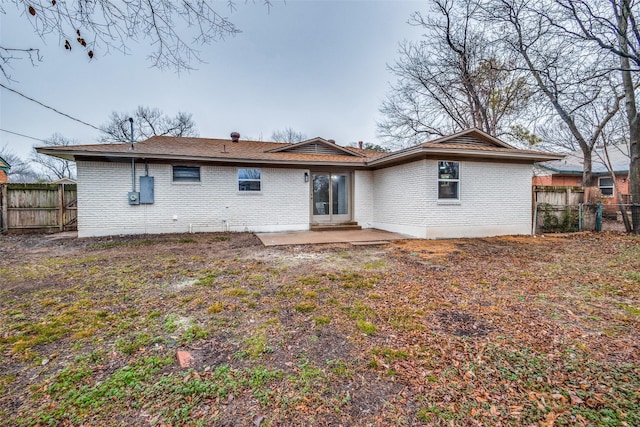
(50, 108)
(44, 140)
(22, 135)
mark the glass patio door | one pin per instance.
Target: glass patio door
(331, 197)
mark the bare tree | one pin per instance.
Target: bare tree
(613, 27)
(147, 122)
(375, 147)
(54, 167)
(566, 72)
(21, 170)
(451, 80)
(288, 135)
(173, 28)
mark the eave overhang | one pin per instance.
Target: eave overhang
(421, 152)
(557, 171)
(96, 155)
(403, 156)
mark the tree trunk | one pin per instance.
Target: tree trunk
(587, 177)
(632, 115)
(634, 173)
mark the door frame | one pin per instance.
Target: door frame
(313, 219)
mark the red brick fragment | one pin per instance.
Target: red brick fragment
(185, 359)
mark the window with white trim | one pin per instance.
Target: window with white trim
(448, 180)
(186, 174)
(249, 179)
(605, 184)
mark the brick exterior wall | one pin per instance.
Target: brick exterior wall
(3, 177)
(495, 199)
(213, 204)
(363, 198)
(400, 198)
(622, 182)
(558, 180)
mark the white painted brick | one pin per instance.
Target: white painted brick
(214, 204)
(363, 198)
(495, 199)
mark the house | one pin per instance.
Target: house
(568, 171)
(465, 185)
(4, 171)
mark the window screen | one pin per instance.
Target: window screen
(186, 174)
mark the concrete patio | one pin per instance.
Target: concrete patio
(369, 236)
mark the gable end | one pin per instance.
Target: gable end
(473, 137)
(470, 140)
(315, 148)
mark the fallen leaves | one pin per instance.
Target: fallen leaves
(468, 332)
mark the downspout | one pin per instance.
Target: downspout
(133, 161)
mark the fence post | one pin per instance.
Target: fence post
(4, 201)
(580, 217)
(535, 220)
(599, 217)
(61, 206)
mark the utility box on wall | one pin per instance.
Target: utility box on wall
(134, 197)
(146, 189)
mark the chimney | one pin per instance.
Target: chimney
(235, 136)
(360, 145)
(333, 141)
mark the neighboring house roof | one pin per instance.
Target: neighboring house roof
(4, 165)
(573, 163)
(472, 143)
(64, 181)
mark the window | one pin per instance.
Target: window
(448, 180)
(249, 180)
(186, 174)
(606, 186)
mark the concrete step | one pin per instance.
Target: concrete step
(352, 225)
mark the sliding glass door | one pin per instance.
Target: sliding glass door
(331, 197)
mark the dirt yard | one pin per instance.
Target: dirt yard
(503, 331)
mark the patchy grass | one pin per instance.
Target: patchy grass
(501, 331)
(366, 327)
(305, 307)
(322, 320)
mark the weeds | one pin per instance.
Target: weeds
(283, 336)
(366, 327)
(305, 307)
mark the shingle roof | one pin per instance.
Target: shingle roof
(573, 162)
(453, 146)
(470, 143)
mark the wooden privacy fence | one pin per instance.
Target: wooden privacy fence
(554, 195)
(567, 209)
(38, 207)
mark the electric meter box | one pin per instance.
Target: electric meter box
(134, 197)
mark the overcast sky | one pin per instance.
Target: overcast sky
(319, 67)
